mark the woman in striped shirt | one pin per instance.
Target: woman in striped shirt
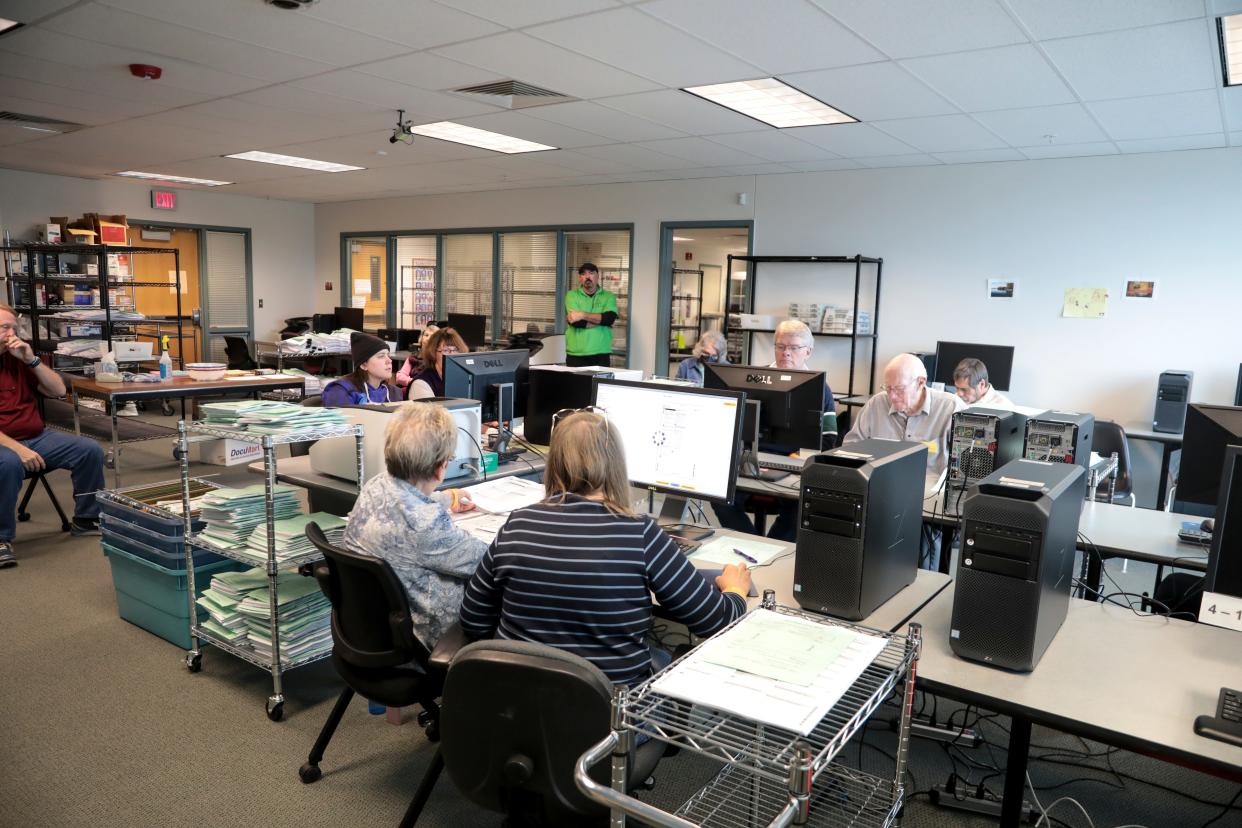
(578, 570)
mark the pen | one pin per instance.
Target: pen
(744, 556)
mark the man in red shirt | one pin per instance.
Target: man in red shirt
(27, 447)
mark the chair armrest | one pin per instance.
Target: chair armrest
(446, 648)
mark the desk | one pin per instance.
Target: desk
(1148, 678)
(1169, 443)
(182, 388)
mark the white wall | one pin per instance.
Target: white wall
(942, 231)
(281, 238)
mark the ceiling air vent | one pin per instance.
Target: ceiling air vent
(511, 94)
(37, 123)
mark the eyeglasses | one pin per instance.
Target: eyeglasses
(899, 390)
(447, 349)
(567, 412)
(786, 348)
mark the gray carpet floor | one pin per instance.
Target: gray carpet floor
(102, 725)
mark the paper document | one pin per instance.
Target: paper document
(719, 550)
(771, 686)
(480, 525)
(506, 494)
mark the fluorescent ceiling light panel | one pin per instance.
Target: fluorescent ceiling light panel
(1231, 48)
(5, 25)
(682, 238)
(293, 161)
(172, 179)
(472, 137)
(773, 102)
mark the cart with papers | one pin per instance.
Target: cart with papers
(270, 616)
(774, 697)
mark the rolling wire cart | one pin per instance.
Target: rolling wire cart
(770, 776)
(276, 666)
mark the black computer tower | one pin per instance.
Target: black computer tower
(980, 442)
(1172, 397)
(1060, 437)
(550, 391)
(859, 526)
(1019, 533)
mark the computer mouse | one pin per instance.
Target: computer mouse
(1208, 525)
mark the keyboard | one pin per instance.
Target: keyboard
(686, 546)
(1226, 725)
(779, 462)
(1192, 532)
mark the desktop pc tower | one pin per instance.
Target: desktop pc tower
(1172, 396)
(860, 525)
(1019, 533)
(980, 442)
(1059, 437)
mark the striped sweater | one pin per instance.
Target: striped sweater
(572, 575)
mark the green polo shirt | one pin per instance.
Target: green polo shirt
(596, 339)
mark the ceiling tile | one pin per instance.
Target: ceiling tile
(684, 112)
(785, 37)
(756, 169)
(517, 56)
(636, 43)
(1047, 19)
(942, 133)
(363, 150)
(113, 82)
(428, 71)
(909, 28)
(528, 12)
(134, 144)
(58, 110)
(1170, 58)
(295, 99)
(1232, 100)
(823, 166)
(262, 126)
(1181, 142)
(1002, 78)
(583, 163)
(112, 108)
(634, 156)
(10, 135)
(1069, 150)
(873, 92)
(226, 169)
(538, 165)
(601, 120)
(1067, 124)
(773, 146)
(1159, 116)
(420, 105)
(979, 156)
(917, 160)
(420, 24)
(852, 140)
(520, 125)
(29, 11)
(701, 151)
(1235, 139)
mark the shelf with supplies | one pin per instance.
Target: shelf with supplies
(272, 563)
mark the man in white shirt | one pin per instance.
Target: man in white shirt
(970, 379)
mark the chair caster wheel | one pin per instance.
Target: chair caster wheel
(22, 517)
(167, 409)
(309, 773)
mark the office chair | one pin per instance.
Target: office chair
(1181, 592)
(237, 353)
(374, 648)
(828, 431)
(1110, 437)
(516, 718)
(35, 479)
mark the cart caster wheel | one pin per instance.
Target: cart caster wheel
(309, 773)
(194, 662)
(167, 410)
(22, 517)
(178, 454)
(275, 711)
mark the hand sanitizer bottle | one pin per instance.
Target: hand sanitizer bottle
(165, 366)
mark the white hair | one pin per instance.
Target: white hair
(713, 338)
(798, 329)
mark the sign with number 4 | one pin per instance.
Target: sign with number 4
(1221, 611)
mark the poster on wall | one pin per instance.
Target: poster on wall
(1001, 288)
(1140, 289)
(1085, 303)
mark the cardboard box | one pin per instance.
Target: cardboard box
(225, 452)
(50, 233)
(110, 229)
(756, 321)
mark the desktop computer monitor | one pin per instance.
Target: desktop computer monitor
(791, 404)
(324, 323)
(997, 358)
(349, 318)
(497, 379)
(1209, 430)
(681, 441)
(1224, 572)
(1237, 392)
(472, 327)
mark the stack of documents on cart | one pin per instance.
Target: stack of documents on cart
(291, 540)
(303, 618)
(221, 599)
(269, 416)
(336, 342)
(782, 669)
(232, 514)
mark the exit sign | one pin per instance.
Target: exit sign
(163, 200)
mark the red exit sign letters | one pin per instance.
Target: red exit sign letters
(163, 200)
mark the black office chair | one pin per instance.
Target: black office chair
(374, 648)
(1110, 437)
(237, 353)
(1180, 592)
(516, 718)
(35, 479)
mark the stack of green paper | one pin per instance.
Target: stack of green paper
(269, 417)
(221, 599)
(291, 540)
(231, 514)
(303, 618)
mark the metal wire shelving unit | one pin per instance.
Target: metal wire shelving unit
(277, 665)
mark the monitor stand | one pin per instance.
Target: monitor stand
(672, 520)
(504, 394)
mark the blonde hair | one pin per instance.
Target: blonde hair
(428, 354)
(797, 328)
(8, 309)
(586, 457)
(420, 437)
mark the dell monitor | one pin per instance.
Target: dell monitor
(681, 441)
(1209, 430)
(791, 404)
(351, 318)
(1224, 572)
(497, 379)
(472, 327)
(997, 358)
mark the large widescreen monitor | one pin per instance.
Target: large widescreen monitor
(998, 359)
(1210, 429)
(678, 440)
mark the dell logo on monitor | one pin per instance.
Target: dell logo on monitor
(762, 379)
(493, 363)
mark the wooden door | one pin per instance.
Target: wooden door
(162, 301)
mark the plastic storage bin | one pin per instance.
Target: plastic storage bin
(149, 520)
(165, 550)
(154, 597)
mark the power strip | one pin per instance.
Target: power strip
(941, 795)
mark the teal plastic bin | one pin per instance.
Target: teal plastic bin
(154, 597)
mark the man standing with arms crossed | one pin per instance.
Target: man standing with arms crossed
(590, 311)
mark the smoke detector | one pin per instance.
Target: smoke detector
(290, 5)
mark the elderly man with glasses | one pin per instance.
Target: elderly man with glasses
(793, 347)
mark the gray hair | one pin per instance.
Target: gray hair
(972, 370)
(420, 437)
(796, 328)
(715, 339)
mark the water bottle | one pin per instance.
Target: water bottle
(165, 366)
(375, 708)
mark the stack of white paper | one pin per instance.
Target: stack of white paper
(232, 514)
(291, 540)
(506, 494)
(269, 416)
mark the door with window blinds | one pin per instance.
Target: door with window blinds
(226, 291)
(467, 283)
(416, 281)
(368, 280)
(609, 250)
(528, 282)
